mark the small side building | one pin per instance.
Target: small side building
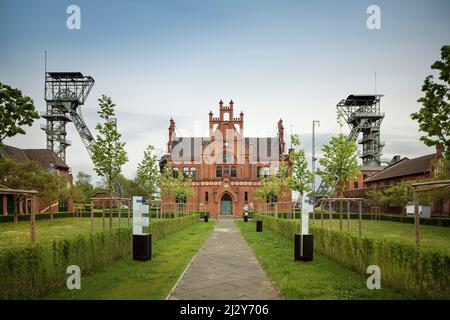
(49, 162)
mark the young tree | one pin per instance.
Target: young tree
(16, 110)
(54, 190)
(83, 190)
(434, 115)
(148, 176)
(339, 162)
(399, 195)
(108, 152)
(301, 177)
(178, 187)
(275, 185)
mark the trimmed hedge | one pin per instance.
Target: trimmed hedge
(422, 273)
(33, 271)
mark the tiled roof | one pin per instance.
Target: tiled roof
(405, 167)
(45, 157)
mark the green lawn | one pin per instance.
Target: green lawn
(16, 235)
(127, 279)
(319, 279)
(433, 237)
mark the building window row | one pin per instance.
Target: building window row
(187, 172)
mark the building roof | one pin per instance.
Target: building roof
(404, 167)
(45, 157)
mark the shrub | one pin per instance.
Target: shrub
(422, 273)
(33, 271)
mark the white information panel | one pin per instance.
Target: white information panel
(307, 207)
(140, 215)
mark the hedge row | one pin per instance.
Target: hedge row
(421, 273)
(34, 271)
(85, 214)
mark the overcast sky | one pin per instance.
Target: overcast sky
(293, 60)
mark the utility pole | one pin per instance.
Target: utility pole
(313, 159)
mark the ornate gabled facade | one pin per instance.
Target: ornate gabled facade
(226, 166)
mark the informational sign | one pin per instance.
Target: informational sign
(141, 220)
(307, 207)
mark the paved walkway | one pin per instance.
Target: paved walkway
(225, 268)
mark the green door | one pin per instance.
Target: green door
(225, 204)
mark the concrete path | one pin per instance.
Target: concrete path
(225, 268)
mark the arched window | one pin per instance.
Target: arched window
(219, 172)
(226, 170)
(185, 172)
(175, 172)
(180, 199)
(266, 172)
(193, 172)
(206, 196)
(233, 172)
(259, 172)
(271, 198)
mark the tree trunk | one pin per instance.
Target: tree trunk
(110, 213)
(103, 214)
(51, 211)
(417, 218)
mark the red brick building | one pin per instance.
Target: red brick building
(50, 162)
(226, 166)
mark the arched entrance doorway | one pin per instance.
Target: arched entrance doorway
(226, 204)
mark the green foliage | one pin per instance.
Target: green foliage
(83, 190)
(33, 271)
(277, 184)
(339, 162)
(29, 175)
(422, 273)
(147, 175)
(301, 178)
(131, 186)
(399, 195)
(375, 197)
(16, 111)
(108, 152)
(434, 115)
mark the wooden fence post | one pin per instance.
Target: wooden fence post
(92, 216)
(321, 213)
(341, 204)
(330, 214)
(33, 221)
(129, 210)
(360, 218)
(417, 218)
(348, 216)
(119, 212)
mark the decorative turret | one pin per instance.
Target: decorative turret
(171, 135)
